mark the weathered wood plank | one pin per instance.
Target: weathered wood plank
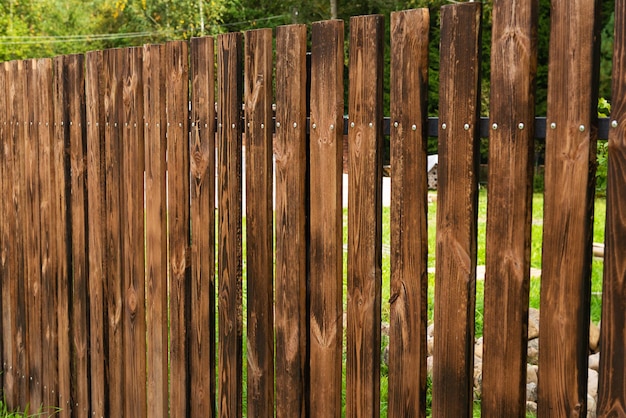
(568, 208)
(112, 67)
(133, 262)
(291, 247)
(156, 229)
(94, 116)
(9, 283)
(229, 66)
(409, 235)
(5, 248)
(177, 102)
(202, 151)
(457, 210)
(74, 68)
(20, 136)
(612, 390)
(61, 192)
(259, 222)
(364, 216)
(326, 217)
(509, 207)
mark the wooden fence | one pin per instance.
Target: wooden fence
(110, 291)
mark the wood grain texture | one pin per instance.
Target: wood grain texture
(94, 116)
(364, 216)
(132, 215)
(156, 229)
(112, 70)
(74, 68)
(409, 235)
(612, 390)
(9, 256)
(457, 210)
(568, 208)
(326, 217)
(5, 324)
(291, 218)
(20, 134)
(259, 221)
(230, 89)
(32, 236)
(509, 207)
(202, 149)
(177, 102)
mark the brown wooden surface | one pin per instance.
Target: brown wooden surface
(133, 262)
(74, 68)
(326, 217)
(511, 152)
(457, 210)
(409, 235)
(612, 390)
(568, 209)
(32, 236)
(61, 182)
(364, 216)
(202, 149)
(156, 230)
(112, 70)
(20, 133)
(259, 222)
(94, 116)
(290, 212)
(5, 320)
(177, 101)
(9, 288)
(229, 68)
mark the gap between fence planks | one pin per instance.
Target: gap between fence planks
(509, 208)
(568, 208)
(409, 234)
(457, 210)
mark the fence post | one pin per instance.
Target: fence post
(457, 210)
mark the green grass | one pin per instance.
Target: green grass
(43, 412)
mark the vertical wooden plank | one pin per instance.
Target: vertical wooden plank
(74, 66)
(290, 212)
(612, 390)
(44, 125)
(364, 216)
(113, 263)
(5, 325)
(9, 257)
(259, 222)
(32, 236)
(409, 235)
(20, 136)
(133, 262)
(61, 182)
(156, 229)
(96, 221)
(202, 150)
(457, 210)
(509, 207)
(568, 207)
(229, 56)
(177, 102)
(326, 217)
